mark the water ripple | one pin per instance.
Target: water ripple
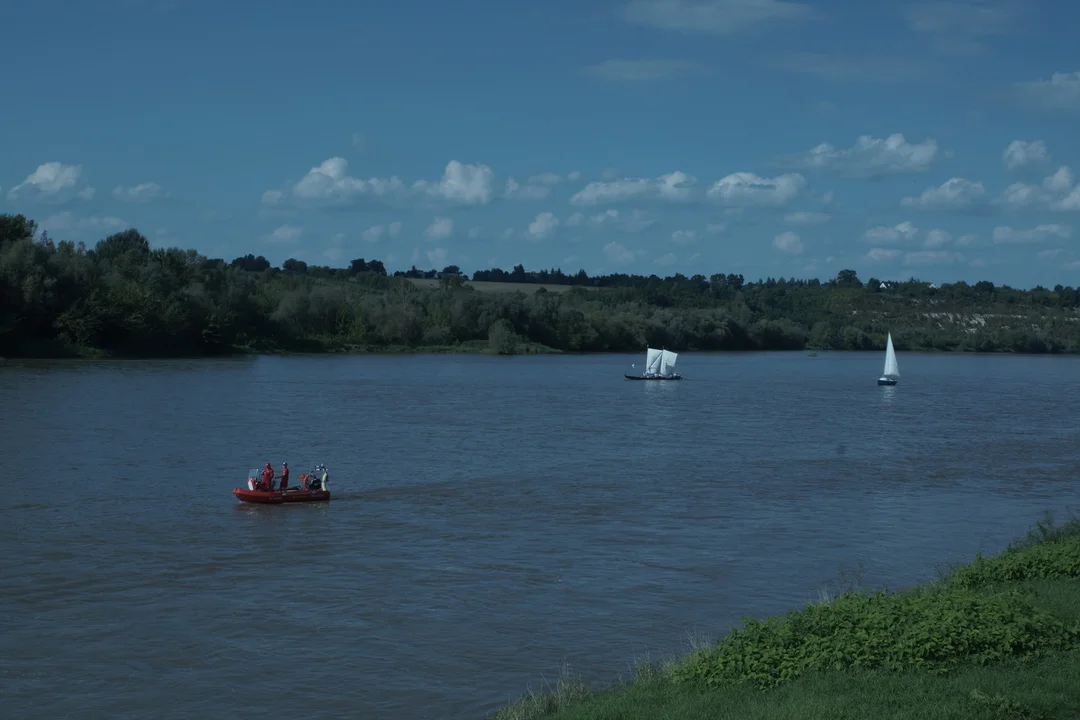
(492, 517)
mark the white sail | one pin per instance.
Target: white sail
(652, 361)
(667, 366)
(892, 370)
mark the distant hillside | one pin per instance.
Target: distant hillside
(495, 287)
(122, 297)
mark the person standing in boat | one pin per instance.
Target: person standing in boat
(284, 475)
(268, 477)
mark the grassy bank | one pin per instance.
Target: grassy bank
(996, 638)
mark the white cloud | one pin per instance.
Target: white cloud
(674, 186)
(666, 259)
(393, 229)
(898, 233)
(936, 238)
(574, 176)
(359, 142)
(1057, 191)
(1060, 182)
(683, 237)
(544, 224)
(329, 184)
(636, 221)
(372, 234)
(966, 240)
(745, 188)
(715, 228)
(437, 256)
(869, 157)
(533, 191)
(1024, 154)
(461, 183)
(1040, 233)
(953, 194)
(474, 233)
(618, 254)
(716, 17)
(643, 70)
(1060, 92)
(142, 194)
(806, 218)
(1048, 254)
(608, 216)
(440, 229)
(882, 254)
(788, 242)
(333, 254)
(285, 234)
(52, 182)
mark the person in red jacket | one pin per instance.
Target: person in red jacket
(267, 478)
(284, 475)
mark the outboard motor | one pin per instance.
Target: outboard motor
(318, 477)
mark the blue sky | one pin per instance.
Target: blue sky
(762, 137)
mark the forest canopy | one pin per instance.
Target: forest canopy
(124, 297)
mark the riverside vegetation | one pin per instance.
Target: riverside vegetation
(123, 297)
(996, 638)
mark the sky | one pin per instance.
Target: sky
(764, 137)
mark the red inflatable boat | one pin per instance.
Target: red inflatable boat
(312, 490)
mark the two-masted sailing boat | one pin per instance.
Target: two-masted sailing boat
(659, 365)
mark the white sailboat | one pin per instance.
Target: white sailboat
(659, 365)
(891, 374)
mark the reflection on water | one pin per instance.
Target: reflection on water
(492, 517)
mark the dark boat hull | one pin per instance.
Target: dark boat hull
(886, 381)
(644, 377)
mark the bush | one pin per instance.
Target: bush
(916, 630)
(1057, 555)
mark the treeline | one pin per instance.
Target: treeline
(123, 297)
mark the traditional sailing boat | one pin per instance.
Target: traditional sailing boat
(892, 371)
(659, 365)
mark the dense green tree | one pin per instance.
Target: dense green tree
(124, 297)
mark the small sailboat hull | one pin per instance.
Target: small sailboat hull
(891, 373)
(659, 365)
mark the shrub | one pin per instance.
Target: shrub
(915, 630)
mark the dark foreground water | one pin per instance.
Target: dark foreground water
(492, 518)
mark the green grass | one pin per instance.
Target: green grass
(996, 638)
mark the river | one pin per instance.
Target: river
(492, 518)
